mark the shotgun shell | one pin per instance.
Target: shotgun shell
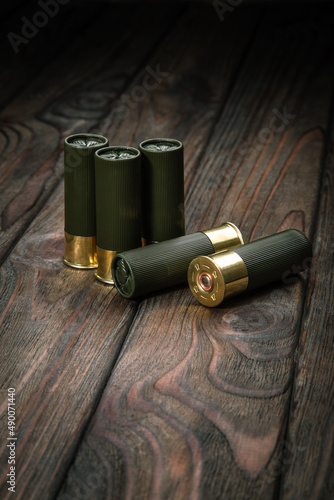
(154, 267)
(216, 277)
(162, 190)
(118, 205)
(80, 231)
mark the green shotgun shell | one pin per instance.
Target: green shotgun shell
(154, 267)
(162, 189)
(214, 278)
(118, 204)
(79, 182)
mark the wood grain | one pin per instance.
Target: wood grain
(197, 404)
(44, 323)
(73, 93)
(59, 342)
(65, 319)
(308, 471)
(196, 83)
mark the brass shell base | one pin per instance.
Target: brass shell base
(80, 251)
(226, 275)
(104, 258)
(225, 236)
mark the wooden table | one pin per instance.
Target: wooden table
(162, 398)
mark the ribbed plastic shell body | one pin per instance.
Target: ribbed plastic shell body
(162, 191)
(275, 257)
(118, 201)
(158, 266)
(79, 184)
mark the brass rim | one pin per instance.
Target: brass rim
(79, 266)
(227, 274)
(80, 251)
(103, 280)
(104, 259)
(225, 236)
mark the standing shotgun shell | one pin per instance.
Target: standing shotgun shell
(162, 189)
(154, 267)
(216, 277)
(80, 231)
(118, 207)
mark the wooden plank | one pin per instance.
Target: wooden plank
(70, 95)
(194, 79)
(308, 465)
(58, 343)
(196, 406)
(59, 323)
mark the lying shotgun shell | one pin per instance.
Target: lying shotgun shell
(165, 264)
(162, 189)
(118, 208)
(80, 231)
(216, 277)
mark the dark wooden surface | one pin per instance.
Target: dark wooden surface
(162, 398)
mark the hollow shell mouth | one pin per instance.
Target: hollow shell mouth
(160, 145)
(85, 142)
(114, 154)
